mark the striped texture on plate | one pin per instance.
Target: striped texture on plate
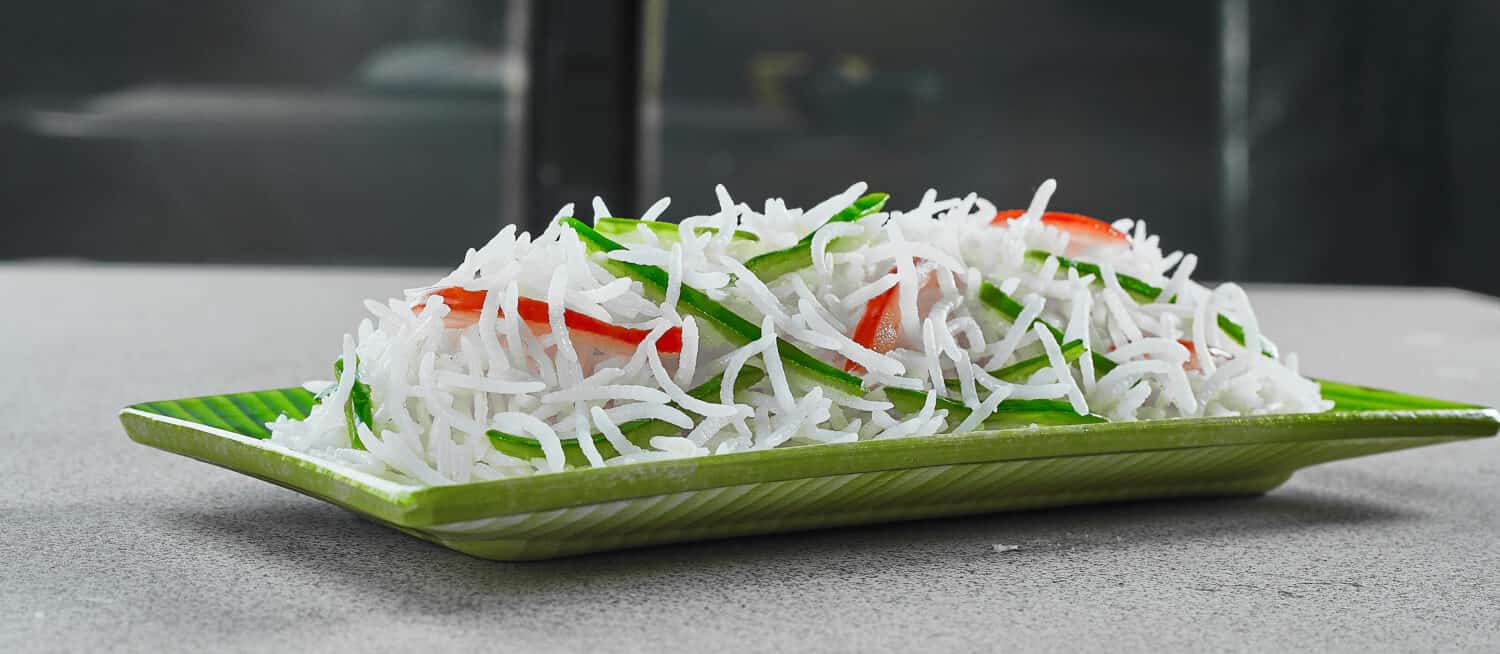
(590, 510)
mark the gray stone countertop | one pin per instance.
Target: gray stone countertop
(105, 544)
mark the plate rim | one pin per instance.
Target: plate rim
(414, 506)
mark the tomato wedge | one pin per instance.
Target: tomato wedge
(464, 306)
(1084, 233)
(879, 328)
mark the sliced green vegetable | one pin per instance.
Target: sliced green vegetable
(1020, 371)
(1009, 413)
(772, 265)
(864, 206)
(359, 406)
(991, 296)
(1236, 333)
(1138, 289)
(1025, 368)
(665, 231)
(728, 323)
(1143, 292)
(639, 432)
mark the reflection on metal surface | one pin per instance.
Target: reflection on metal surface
(1234, 140)
(513, 158)
(653, 57)
(216, 112)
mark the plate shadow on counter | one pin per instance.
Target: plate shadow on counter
(306, 537)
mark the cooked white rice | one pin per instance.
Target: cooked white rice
(436, 389)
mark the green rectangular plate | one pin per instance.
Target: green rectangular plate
(590, 510)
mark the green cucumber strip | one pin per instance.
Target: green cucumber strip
(991, 296)
(1236, 333)
(639, 432)
(1232, 330)
(728, 323)
(665, 231)
(1019, 371)
(359, 406)
(864, 206)
(1144, 292)
(772, 265)
(1009, 413)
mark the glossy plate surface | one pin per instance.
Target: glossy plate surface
(596, 509)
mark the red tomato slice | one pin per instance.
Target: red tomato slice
(1192, 362)
(464, 306)
(1084, 232)
(879, 328)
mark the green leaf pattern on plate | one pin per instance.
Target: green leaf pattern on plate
(786, 489)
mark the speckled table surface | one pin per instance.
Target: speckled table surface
(105, 544)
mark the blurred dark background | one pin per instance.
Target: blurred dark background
(1340, 142)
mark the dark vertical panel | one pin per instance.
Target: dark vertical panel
(1466, 251)
(584, 106)
(1349, 150)
(1234, 138)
